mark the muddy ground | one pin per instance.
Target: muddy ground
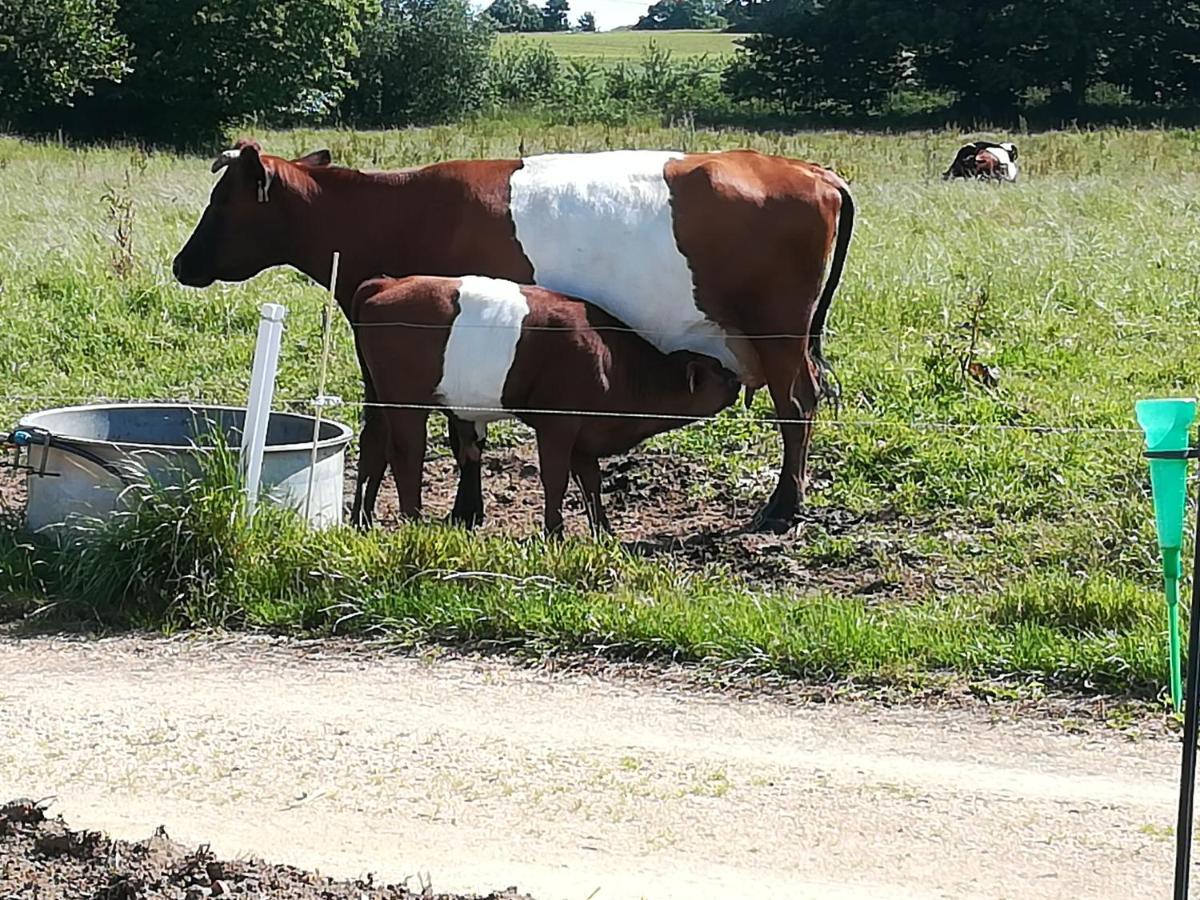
(42, 858)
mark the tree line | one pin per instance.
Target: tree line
(186, 70)
(986, 60)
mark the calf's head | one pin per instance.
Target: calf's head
(248, 224)
(710, 386)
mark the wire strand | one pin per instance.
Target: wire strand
(512, 413)
(1128, 329)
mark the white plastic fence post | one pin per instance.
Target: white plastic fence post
(321, 401)
(262, 391)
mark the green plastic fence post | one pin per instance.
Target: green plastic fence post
(1166, 424)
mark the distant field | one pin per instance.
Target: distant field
(613, 46)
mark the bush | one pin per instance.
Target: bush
(421, 61)
(202, 66)
(533, 76)
(53, 51)
(525, 73)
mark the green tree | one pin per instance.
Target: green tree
(748, 15)
(54, 51)
(843, 56)
(514, 15)
(421, 61)
(1158, 59)
(201, 66)
(587, 22)
(555, 16)
(681, 14)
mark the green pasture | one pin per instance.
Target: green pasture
(1016, 514)
(611, 47)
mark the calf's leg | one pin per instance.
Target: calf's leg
(407, 431)
(373, 444)
(555, 439)
(468, 454)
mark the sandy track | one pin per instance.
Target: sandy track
(484, 775)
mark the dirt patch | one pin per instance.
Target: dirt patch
(44, 858)
(12, 491)
(669, 506)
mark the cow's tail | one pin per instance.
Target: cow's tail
(827, 382)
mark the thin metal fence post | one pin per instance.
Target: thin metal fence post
(1191, 722)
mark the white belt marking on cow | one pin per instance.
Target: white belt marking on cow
(1008, 165)
(598, 226)
(481, 348)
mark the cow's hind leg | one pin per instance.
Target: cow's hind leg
(586, 471)
(793, 383)
(468, 453)
(373, 444)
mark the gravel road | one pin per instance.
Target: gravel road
(481, 774)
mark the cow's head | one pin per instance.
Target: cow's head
(248, 223)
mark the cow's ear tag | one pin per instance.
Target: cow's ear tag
(263, 187)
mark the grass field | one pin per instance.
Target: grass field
(1023, 507)
(611, 47)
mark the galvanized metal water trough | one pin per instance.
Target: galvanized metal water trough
(92, 451)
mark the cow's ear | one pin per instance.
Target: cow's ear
(315, 159)
(251, 161)
(254, 170)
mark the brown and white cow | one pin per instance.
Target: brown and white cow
(985, 160)
(488, 349)
(735, 254)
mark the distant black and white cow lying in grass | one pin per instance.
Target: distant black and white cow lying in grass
(986, 160)
(487, 349)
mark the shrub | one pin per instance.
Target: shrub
(202, 66)
(421, 61)
(525, 73)
(54, 51)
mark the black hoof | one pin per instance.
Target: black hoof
(772, 525)
(469, 521)
(774, 518)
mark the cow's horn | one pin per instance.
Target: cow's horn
(225, 159)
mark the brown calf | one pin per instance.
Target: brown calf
(734, 255)
(487, 349)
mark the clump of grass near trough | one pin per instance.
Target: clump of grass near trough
(186, 556)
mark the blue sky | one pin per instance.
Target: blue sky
(608, 13)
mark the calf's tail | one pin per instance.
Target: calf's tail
(826, 379)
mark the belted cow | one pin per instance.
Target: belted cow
(488, 349)
(734, 255)
(986, 160)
